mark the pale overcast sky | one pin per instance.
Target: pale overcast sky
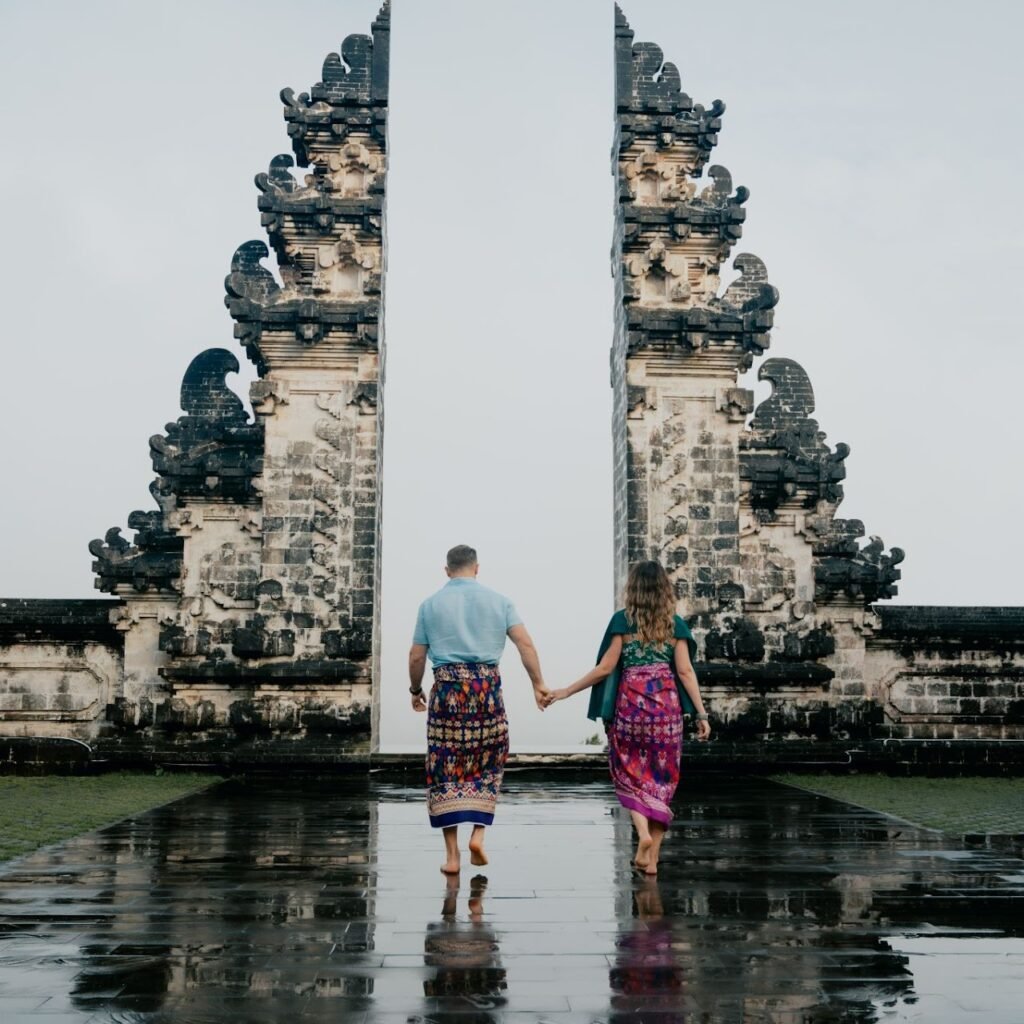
(880, 142)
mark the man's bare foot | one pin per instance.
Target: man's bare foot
(477, 857)
(451, 867)
(477, 887)
(643, 853)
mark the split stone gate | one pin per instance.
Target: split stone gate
(244, 619)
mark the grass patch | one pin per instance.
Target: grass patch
(960, 805)
(37, 811)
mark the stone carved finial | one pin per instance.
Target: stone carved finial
(785, 456)
(351, 95)
(751, 290)
(279, 178)
(153, 563)
(213, 450)
(327, 230)
(663, 141)
(204, 390)
(791, 401)
(868, 575)
(346, 75)
(656, 80)
(650, 100)
(721, 188)
(249, 279)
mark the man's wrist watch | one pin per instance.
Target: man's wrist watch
(414, 690)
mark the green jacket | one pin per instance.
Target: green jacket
(604, 694)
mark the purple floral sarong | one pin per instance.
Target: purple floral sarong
(645, 742)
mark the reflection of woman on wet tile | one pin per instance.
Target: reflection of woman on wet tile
(643, 682)
(646, 975)
(465, 955)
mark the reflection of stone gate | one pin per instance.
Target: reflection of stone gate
(245, 618)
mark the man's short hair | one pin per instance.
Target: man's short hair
(462, 556)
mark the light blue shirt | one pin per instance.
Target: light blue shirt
(465, 622)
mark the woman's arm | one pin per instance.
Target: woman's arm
(689, 678)
(602, 670)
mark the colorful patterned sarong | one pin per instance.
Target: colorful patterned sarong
(645, 742)
(467, 744)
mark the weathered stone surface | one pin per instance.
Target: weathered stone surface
(246, 620)
(779, 591)
(948, 673)
(260, 567)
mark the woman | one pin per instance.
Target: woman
(645, 658)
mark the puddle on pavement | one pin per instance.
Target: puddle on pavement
(322, 901)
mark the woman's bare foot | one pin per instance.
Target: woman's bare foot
(643, 853)
(477, 857)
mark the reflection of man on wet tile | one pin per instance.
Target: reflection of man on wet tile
(464, 954)
(462, 628)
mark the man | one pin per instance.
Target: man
(463, 628)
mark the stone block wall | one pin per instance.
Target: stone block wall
(60, 667)
(948, 673)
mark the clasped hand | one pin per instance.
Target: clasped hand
(545, 697)
(550, 697)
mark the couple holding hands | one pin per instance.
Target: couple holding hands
(642, 685)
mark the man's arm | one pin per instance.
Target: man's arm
(531, 662)
(417, 666)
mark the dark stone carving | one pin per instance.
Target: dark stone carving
(352, 93)
(722, 193)
(751, 290)
(253, 641)
(279, 178)
(213, 450)
(321, 222)
(785, 455)
(652, 109)
(650, 101)
(696, 328)
(349, 643)
(249, 279)
(256, 303)
(810, 646)
(174, 640)
(867, 575)
(153, 562)
(742, 641)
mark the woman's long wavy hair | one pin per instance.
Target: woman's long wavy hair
(650, 603)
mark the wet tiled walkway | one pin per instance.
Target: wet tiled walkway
(323, 902)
